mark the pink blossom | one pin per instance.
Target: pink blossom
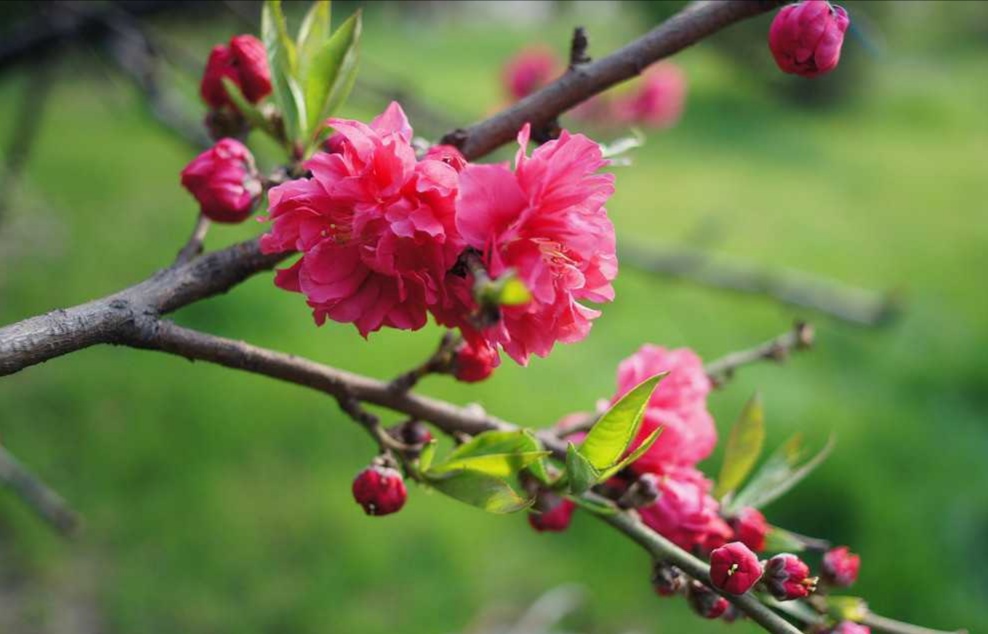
(449, 155)
(546, 222)
(528, 71)
(806, 38)
(656, 100)
(679, 406)
(224, 181)
(375, 227)
(685, 513)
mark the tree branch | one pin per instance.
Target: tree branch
(687, 27)
(851, 304)
(661, 548)
(48, 504)
(108, 319)
(777, 349)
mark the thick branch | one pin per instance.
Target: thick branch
(107, 320)
(687, 27)
(48, 504)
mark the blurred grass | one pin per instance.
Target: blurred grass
(219, 501)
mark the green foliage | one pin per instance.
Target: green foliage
(484, 491)
(250, 112)
(477, 472)
(580, 473)
(780, 473)
(311, 79)
(743, 447)
(779, 540)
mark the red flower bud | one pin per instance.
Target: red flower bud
(850, 627)
(787, 577)
(475, 361)
(448, 154)
(705, 601)
(554, 513)
(380, 490)
(840, 566)
(806, 38)
(667, 579)
(734, 568)
(245, 62)
(750, 528)
(224, 181)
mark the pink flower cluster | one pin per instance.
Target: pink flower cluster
(382, 234)
(656, 100)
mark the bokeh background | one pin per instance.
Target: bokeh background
(219, 502)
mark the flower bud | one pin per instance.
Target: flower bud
(667, 579)
(553, 513)
(850, 627)
(224, 181)
(414, 433)
(245, 63)
(473, 362)
(806, 38)
(750, 528)
(705, 601)
(787, 577)
(448, 154)
(380, 490)
(734, 568)
(840, 566)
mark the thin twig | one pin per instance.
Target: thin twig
(891, 626)
(193, 247)
(541, 107)
(777, 349)
(44, 501)
(848, 303)
(440, 361)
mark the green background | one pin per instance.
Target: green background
(218, 501)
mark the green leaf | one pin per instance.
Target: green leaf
(493, 442)
(332, 72)
(246, 108)
(481, 490)
(600, 508)
(779, 540)
(537, 468)
(845, 608)
(610, 437)
(283, 63)
(501, 465)
(744, 445)
(634, 455)
(778, 475)
(312, 34)
(580, 473)
(427, 455)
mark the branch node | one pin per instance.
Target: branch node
(578, 48)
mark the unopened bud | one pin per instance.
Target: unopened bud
(705, 601)
(380, 490)
(787, 577)
(734, 568)
(552, 513)
(667, 579)
(841, 566)
(642, 492)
